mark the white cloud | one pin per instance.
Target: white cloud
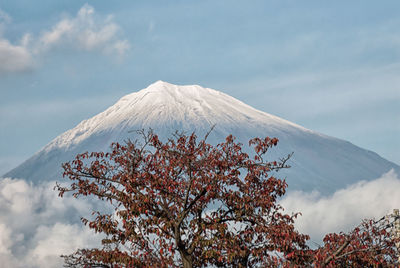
(36, 226)
(345, 209)
(87, 31)
(56, 240)
(13, 57)
(5, 239)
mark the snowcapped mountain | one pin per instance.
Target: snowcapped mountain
(319, 162)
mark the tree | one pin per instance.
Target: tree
(371, 244)
(186, 203)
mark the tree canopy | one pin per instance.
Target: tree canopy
(187, 203)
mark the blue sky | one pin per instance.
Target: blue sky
(331, 66)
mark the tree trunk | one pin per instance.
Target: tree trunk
(243, 261)
(186, 260)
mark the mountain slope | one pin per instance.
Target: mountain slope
(320, 162)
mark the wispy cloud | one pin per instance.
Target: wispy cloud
(346, 208)
(4, 17)
(14, 58)
(87, 31)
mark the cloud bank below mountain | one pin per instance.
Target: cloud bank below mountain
(36, 226)
(343, 210)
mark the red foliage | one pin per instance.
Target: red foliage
(371, 244)
(188, 203)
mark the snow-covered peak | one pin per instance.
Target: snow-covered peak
(206, 103)
(188, 107)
